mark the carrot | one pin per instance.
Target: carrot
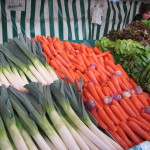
(54, 39)
(91, 60)
(122, 70)
(138, 130)
(143, 100)
(40, 39)
(111, 114)
(100, 122)
(73, 59)
(64, 56)
(95, 58)
(92, 90)
(71, 73)
(77, 76)
(105, 60)
(68, 45)
(49, 39)
(66, 73)
(126, 82)
(82, 75)
(110, 57)
(62, 61)
(147, 96)
(146, 116)
(120, 108)
(86, 61)
(112, 87)
(57, 45)
(122, 134)
(106, 119)
(45, 40)
(130, 133)
(109, 69)
(61, 75)
(88, 51)
(58, 62)
(105, 91)
(136, 103)
(116, 84)
(82, 48)
(100, 93)
(96, 50)
(143, 120)
(103, 77)
(78, 67)
(103, 54)
(112, 65)
(85, 76)
(54, 64)
(141, 124)
(132, 82)
(128, 101)
(118, 139)
(110, 92)
(122, 85)
(127, 108)
(101, 68)
(101, 61)
(91, 76)
(117, 112)
(79, 58)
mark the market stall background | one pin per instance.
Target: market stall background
(66, 19)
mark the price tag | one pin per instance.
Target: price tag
(15, 5)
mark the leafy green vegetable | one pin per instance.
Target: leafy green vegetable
(146, 22)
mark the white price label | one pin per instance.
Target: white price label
(15, 5)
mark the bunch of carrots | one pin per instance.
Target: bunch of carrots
(123, 119)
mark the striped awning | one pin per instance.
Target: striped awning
(66, 19)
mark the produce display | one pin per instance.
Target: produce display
(131, 50)
(112, 97)
(48, 111)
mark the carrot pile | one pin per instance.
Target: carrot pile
(123, 119)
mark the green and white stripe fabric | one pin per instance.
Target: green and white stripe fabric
(66, 19)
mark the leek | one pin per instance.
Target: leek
(28, 140)
(28, 123)
(4, 141)
(9, 120)
(38, 115)
(47, 103)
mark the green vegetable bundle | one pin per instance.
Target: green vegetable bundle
(133, 56)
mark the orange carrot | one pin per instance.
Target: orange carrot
(122, 70)
(45, 40)
(100, 122)
(77, 76)
(82, 48)
(79, 58)
(130, 133)
(118, 139)
(100, 93)
(57, 45)
(101, 68)
(136, 103)
(111, 114)
(138, 130)
(61, 75)
(55, 39)
(146, 116)
(106, 119)
(128, 101)
(117, 112)
(132, 82)
(120, 108)
(127, 108)
(54, 64)
(92, 77)
(126, 82)
(49, 38)
(68, 45)
(86, 61)
(122, 134)
(112, 87)
(66, 73)
(103, 77)
(71, 73)
(105, 91)
(95, 58)
(58, 62)
(101, 61)
(141, 124)
(122, 85)
(64, 56)
(62, 61)
(110, 92)
(96, 50)
(110, 57)
(109, 69)
(78, 67)
(143, 120)
(112, 65)
(82, 75)
(103, 54)
(143, 100)
(92, 90)
(73, 59)
(116, 84)
(52, 49)
(147, 96)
